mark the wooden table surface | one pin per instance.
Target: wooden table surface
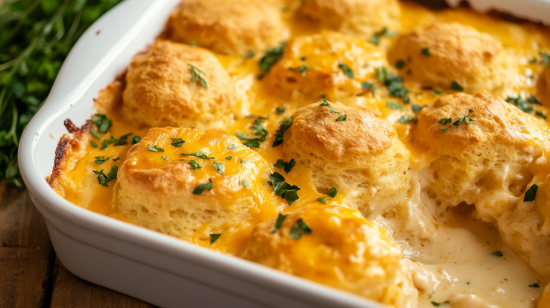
(30, 273)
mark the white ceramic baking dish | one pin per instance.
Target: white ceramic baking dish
(150, 266)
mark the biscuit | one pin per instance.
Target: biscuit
(483, 151)
(161, 89)
(158, 190)
(441, 54)
(227, 27)
(341, 249)
(360, 18)
(361, 156)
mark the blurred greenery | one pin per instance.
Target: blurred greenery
(35, 38)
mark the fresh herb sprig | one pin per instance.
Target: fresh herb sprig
(35, 38)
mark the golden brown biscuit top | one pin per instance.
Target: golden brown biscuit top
(443, 127)
(363, 132)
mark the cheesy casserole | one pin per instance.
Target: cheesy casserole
(374, 146)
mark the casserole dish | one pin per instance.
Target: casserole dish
(144, 264)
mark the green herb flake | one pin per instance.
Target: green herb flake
(177, 142)
(198, 154)
(219, 167)
(242, 136)
(521, 103)
(347, 71)
(426, 52)
(115, 159)
(342, 118)
(445, 120)
(455, 86)
(324, 103)
(540, 114)
(285, 125)
(95, 145)
(322, 199)
(197, 73)
(101, 159)
(232, 147)
(103, 179)
(165, 158)
(105, 125)
(245, 183)
(333, 110)
(399, 64)
(533, 100)
(332, 192)
(270, 57)
(375, 40)
(302, 69)
(243, 161)
(254, 143)
(406, 119)
(496, 254)
(135, 139)
(437, 92)
(229, 157)
(393, 84)
(545, 59)
(416, 108)
(199, 189)
(280, 219)
(194, 165)
(300, 228)
(249, 55)
(94, 133)
(280, 110)
(282, 188)
(368, 85)
(531, 193)
(155, 149)
(291, 196)
(440, 304)
(214, 237)
(534, 285)
(394, 106)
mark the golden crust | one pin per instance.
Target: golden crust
(158, 192)
(459, 53)
(362, 153)
(361, 18)
(488, 162)
(344, 250)
(159, 92)
(322, 54)
(228, 27)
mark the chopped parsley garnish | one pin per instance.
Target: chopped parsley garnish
(347, 71)
(197, 73)
(368, 85)
(468, 120)
(198, 154)
(249, 55)
(177, 142)
(416, 108)
(439, 304)
(302, 69)
(102, 122)
(95, 145)
(322, 199)
(155, 149)
(332, 192)
(270, 57)
(165, 158)
(199, 189)
(219, 167)
(399, 64)
(254, 143)
(214, 237)
(135, 139)
(375, 40)
(540, 114)
(299, 229)
(394, 106)
(406, 119)
(229, 157)
(393, 83)
(285, 125)
(534, 285)
(103, 179)
(545, 59)
(286, 166)
(455, 86)
(333, 110)
(531, 193)
(280, 110)
(324, 103)
(120, 141)
(496, 254)
(426, 52)
(94, 133)
(245, 183)
(243, 161)
(194, 165)
(278, 223)
(437, 92)
(242, 136)
(522, 103)
(115, 159)
(445, 120)
(533, 100)
(232, 147)
(101, 159)
(282, 188)
(342, 118)
(257, 128)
